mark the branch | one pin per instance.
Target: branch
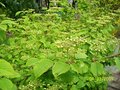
(114, 55)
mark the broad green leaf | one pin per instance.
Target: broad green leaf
(68, 77)
(60, 68)
(6, 84)
(75, 67)
(117, 61)
(80, 54)
(97, 69)
(79, 68)
(83, 68)
(41, 67)
(32, 61)
(7, 70)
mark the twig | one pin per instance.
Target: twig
(114, 55)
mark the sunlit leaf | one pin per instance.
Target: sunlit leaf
(2, 4)
(41, 67)
(32, 61)
(6, 84)
(97, 69)
(79, 67)
(7, 70)
(80, 54)
(60, 68)
(8, 22)
(3, 27)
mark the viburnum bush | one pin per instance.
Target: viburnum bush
(47, 51)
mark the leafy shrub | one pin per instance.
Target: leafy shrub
(53, 53)
(58, 50)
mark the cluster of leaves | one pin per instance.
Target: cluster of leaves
(50, 52)
(111, 4)
(65, 49)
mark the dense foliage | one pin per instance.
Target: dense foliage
(61, 49)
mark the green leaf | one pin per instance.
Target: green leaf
(69, 77)
(18, 13)
(80, 84)
(41, 67)
(97, 69)
(80, 54)
(117, 61)
(75, 67)
(7, 70)
(83, 68)
(79, 67)
(8, 22)
(74, 87)
(32, 61)
(60, 68)
(6, 84)
(3, 27)
(2, 4)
